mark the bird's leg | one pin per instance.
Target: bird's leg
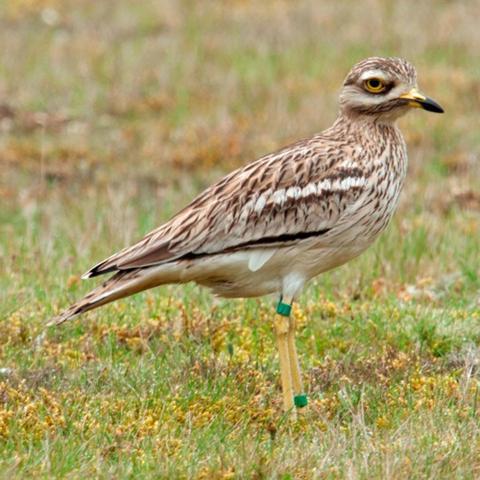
(282, 327)
(300, 399)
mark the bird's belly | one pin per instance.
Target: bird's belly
(229, 275)
(324, 259)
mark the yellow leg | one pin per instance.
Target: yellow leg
(293, 357)
(282, 330)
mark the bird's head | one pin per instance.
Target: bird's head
(383, 88)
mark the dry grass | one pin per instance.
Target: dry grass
(115, 113)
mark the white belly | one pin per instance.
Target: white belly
(288, 268)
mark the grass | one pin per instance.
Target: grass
(112, 116)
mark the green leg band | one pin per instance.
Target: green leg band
(300, 401)
(284, 309)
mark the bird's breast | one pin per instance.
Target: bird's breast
(385, 182)
(369, 214)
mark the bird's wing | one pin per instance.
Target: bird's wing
(295, 193)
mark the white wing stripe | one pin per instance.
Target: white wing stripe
(279, 197)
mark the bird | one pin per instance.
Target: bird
(274, 224)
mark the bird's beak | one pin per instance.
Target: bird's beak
(419, 100)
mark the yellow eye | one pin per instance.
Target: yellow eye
(374, 85)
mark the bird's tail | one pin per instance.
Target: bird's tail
(120, 285)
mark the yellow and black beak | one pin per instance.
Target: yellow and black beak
(419, 100)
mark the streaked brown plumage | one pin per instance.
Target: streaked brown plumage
(272, 225)
(277, 222)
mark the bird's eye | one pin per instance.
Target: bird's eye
(374, 85)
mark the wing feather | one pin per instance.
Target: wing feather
(283, 197)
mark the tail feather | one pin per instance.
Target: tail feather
(120, 285)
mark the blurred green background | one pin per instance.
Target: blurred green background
(113, 115)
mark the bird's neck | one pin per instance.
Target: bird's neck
(365, 127)
(383, 141)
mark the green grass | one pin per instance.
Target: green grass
(122, 112)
